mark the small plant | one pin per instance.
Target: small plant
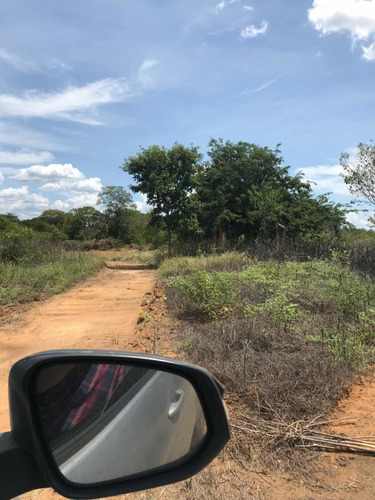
(209, 294)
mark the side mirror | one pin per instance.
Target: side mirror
(102, 423)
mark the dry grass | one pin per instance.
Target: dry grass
(286, 340)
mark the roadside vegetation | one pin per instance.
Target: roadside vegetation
(286, 338)
(34, 265)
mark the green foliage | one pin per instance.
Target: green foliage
(353, 235)
(17, 244)
(118, 205)
(210, 294)
(167, 178)
(54, 217)
(323, 300)
(85, 223)
(279, 309)
(244, 189)
(359, 171)
(25, 282)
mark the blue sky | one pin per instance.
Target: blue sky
(84, 84)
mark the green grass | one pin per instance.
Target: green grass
(26, 282)
(324, 301)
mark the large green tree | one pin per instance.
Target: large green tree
(245, 190)
(86, 223)
(117, 204)
(55, 217)
(167, 177)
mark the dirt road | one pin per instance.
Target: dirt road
(101, 313)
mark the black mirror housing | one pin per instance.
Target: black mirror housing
(28, 434)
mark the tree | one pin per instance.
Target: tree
(359, 172)
(55, 217)
(86, 223)
(117, 203)
(167, 177)
(244, 191)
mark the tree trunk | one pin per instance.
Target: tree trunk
(169, 243)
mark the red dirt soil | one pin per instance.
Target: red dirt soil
(103, 313)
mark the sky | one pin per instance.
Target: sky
(84, 84)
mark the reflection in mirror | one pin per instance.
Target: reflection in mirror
(108, 421)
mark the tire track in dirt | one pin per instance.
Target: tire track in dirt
(100, 313)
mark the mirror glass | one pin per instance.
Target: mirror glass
(107, 421)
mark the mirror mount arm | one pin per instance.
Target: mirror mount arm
(19, 468)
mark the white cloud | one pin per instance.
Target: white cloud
(21, 202)
(252, 31)
(1, 177)
(69, 182)
(55, 63)
(16, 61)
(369, 52)
(142, 205)
(358, 219)
(22, 158)
(69, 104)
(249, 8)
(81, 200)
(355, 17)
(144, 72)
(54, 171)
(74, 103)
(224, 3)
(262, 87)
(326, 179)
(91, 185)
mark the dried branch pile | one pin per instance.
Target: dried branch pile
(301, 434)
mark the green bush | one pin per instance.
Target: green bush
(323, 300)
(208, 294)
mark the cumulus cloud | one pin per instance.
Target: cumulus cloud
(248, 8)
(81, 200)
(1, 177)
(358, 219)
(91, 185)
(69, 182)
(326, 179)
(253, 31)
(20, 201)
(54, 171)
(22, 158)
(355, 17)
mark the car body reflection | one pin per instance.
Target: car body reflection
(103, 422)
